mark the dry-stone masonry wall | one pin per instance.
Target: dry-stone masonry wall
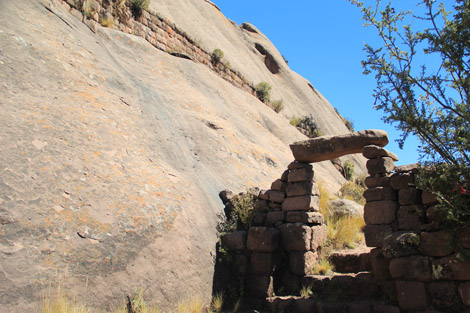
(285, 242)
(158, 31)
(413, 255)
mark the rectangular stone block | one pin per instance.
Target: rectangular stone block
(300, 175)
(380, 193)
(409, 196)
(410, 217)
(263, 264)
(401, 181)
(437, 244)
(373, 182)
(319, 234)
(295, 237)
(305, 217)
(275, 217)
(235, 241)
(380, 265)
(380, 212)
(415, 267)
(375, 234)
(263, 239)
(411, 295)
(260, 286)
(302, 189)
(451, 267)
(301, 203)
(279, 185)
(443, 294)
(277, 196)
(382, 165)
(428, 198)
(302, 263)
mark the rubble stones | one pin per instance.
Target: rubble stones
(330, 147)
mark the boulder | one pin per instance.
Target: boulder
(330, 147)
(372, 152)
(345, 207)
(401, 244)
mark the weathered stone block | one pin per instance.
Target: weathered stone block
(260, 286)
(380, 166)
(302, 263)
(409, 196)
(301, 203)
(305, 217)
(302, 189)
(373, 182)
(380, 193)
(413, 267)
(279, 185)
(330, 147)
(375, 234)
(401, 181)
(410, 217)
(275, 217)
(350, 261)
(285, 176)
(401, 244)
(319, 234)
(305, 305)
(435, 214)
(380, 212)
(295, 165)
(277, 196)
(295, 237)
(443, 294)
(437, 243)
(464, 292)
(380, 265)
(428, 198)
(239, 264)
(451, 267)
(263, 264)
(235, 241)
(411, 295)
(372, 152)
(291, 282)
(263, 239)
(300, 175)
(264, 194)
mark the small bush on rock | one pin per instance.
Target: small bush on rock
(138, 6)
(307, 125)
(277, 105)
(263, 91)
(217, 56)
(348, 170)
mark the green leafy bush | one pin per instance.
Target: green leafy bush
(307, 125)
(352, 191)
(429, 100)
(138, 6)
(348, 170)
(263, 91)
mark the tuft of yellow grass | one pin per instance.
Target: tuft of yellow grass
(217, 303)
(59, 303)
(323, 267)
(191, 305)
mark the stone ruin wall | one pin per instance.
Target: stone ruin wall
(158, 31)
(413, 260)
(412, 255)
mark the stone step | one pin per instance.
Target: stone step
(343, 287)
(312, 305)
(353, 261)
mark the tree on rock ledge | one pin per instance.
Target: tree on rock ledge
(422, 71)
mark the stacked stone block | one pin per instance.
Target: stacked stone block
(412, 254)
(283, 245)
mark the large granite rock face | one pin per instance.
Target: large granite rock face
(330, 147)
(113, 152)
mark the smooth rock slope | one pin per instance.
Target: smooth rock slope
(113, 152)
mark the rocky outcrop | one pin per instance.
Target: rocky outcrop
(330, 147)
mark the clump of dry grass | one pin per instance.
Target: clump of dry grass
(59, 303)
(323, 267)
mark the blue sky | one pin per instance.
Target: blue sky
(323, 41)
